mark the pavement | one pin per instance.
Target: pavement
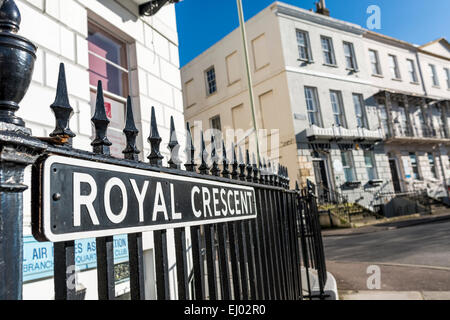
(395, 295)
(411, 259)
(407, 222)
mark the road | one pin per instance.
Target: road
(411, 258)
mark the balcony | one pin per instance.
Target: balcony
(340, 133)
(417, 135)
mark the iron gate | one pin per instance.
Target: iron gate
(257, 258)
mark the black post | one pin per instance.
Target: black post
(17, 149)
(104, 246)
(179, 233)
(64, 252)
(160, 236)
(195, 230)
(135, 247)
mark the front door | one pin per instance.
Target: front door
(320, 173)
(395, 177)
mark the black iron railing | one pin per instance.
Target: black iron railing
(257, 258)
(311, 241)
(392, 204)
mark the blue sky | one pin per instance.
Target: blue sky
(201, 23)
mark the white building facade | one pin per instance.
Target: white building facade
(323, 84)
(132, 56)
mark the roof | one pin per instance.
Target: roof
(443, 40)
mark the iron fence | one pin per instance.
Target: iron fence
(392, 204)
(311, 241)
(255, 258)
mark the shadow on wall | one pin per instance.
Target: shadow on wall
(127, 13)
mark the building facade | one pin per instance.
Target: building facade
(133, 56)
(337, 97)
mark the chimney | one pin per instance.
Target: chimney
(322, 8)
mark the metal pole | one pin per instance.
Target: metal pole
(249, 75)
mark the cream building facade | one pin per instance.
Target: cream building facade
(131, 55)
(315, 80)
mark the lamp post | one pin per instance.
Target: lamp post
(249, 74)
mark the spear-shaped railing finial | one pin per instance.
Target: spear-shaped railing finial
(283, 176)
(288, 181)
(215, 171)
(204, 156)
(190, 150)
(174, 147)
(62, 108)
(279, 176)
(261, 172)
(131, 152)
(255, 169)
(225, 170)
(249, 166)
(101, 143)
(235, 164)
(270, 173)
(242, 166)
(264, 172)
(155, 140)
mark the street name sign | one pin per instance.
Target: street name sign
(81, 199)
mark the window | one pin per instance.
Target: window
(108, 63)
(375, 62)
(447, 73)
(414, 165)
(328, 51)
(360, 111)
(215, 123)
(384, 119)
(350, 58)
(189, 89)
(437, 121)
(432, 165)
(412, 71)
(304, 48)
(234, 69)
(419, 121)
(393, 67)
(347, 164)
(211, 86)
(312, 104)
(338, 110)
(400, 120)
(261, 53)
(370, 167)
(217, 126)
(434, 76)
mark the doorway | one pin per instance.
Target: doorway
(395, 176)
(323, 187)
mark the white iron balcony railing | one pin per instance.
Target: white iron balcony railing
(340, 133)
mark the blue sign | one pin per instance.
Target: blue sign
(38, 256)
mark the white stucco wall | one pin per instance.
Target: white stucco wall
(59, 28)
